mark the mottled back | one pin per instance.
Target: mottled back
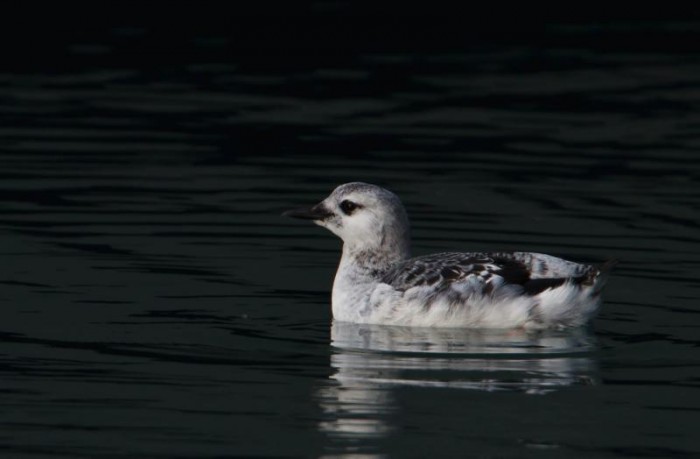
(486, 272)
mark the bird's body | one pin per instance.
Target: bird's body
(486, 290)
(378, 283)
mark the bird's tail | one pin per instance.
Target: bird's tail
(602, 275)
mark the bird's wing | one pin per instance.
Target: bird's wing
(485, 273)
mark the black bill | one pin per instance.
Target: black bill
(317, 212)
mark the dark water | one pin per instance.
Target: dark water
(154, 304)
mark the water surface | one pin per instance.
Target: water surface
(155, 304)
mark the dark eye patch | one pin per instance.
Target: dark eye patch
(348, 207)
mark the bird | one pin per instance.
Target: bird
(378, 282)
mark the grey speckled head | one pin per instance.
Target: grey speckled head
(366, 217)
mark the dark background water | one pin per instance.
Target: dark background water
(155, 304)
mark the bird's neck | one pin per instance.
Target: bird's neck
(372, 262)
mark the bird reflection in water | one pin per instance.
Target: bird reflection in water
(370, 361)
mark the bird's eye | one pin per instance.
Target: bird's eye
(348, 207)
